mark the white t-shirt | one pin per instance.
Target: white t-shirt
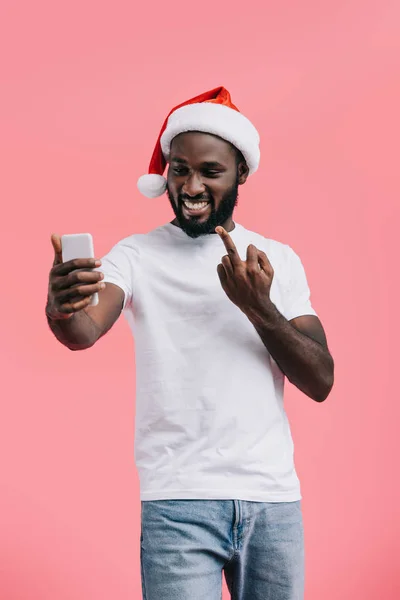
(210, 418)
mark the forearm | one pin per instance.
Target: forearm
(76, 333)
(306, 363)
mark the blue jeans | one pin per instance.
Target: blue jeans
(186, 544)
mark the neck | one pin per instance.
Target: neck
(229, 225)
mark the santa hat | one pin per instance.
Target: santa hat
(211, 112)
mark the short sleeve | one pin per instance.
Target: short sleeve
(297, 294)
(120, 267)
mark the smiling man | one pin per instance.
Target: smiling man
(197, 158)
(221, 316)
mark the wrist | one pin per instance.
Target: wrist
(267, 313)
(54, 315)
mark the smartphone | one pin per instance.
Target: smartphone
(78, 245)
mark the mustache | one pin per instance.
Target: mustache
(199, 197)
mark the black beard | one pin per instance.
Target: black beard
(192, 227)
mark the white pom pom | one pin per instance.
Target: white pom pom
(152, 185)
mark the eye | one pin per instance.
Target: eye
(211, 173)
(179, 170)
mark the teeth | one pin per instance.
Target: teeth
(197, 205)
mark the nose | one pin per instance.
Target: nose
(193, 186)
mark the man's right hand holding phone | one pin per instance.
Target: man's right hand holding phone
(71, 284)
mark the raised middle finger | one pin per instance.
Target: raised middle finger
(230, 247)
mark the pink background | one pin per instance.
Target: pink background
(84, 90)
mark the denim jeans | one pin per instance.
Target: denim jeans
(186, 544)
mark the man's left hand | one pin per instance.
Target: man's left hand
(246, 283)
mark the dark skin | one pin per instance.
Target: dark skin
(71, 286)
(298, 346)
(201, 165)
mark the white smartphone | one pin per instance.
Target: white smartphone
(78, 245)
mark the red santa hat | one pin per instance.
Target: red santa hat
(211, 112)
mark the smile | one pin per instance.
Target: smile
(195, 208)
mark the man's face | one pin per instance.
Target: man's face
(203, 180)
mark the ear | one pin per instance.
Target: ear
(243, 171)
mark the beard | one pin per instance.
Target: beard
(192, 226)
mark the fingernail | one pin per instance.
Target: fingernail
(97, 263)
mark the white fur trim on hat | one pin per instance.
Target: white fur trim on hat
(152, 185)
(219, 120)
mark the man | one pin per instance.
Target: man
(215, 338)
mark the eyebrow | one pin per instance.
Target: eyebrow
(210, 163)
